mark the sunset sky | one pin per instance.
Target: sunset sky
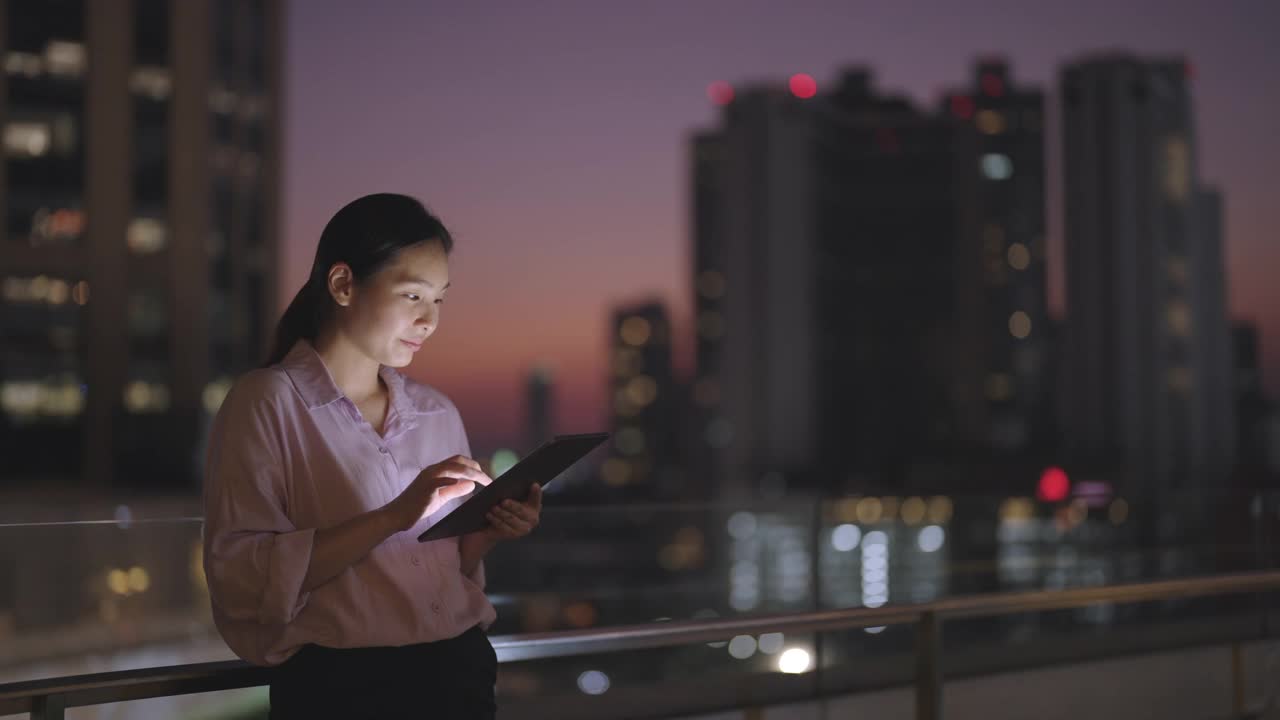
(551, 138)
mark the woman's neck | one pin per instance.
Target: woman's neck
(355, 374)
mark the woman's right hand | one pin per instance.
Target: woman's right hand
(436, 485)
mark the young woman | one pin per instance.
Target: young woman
(325, 465)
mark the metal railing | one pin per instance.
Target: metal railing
(48, 699)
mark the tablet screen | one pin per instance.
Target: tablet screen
(540, 466)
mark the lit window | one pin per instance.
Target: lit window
(1017, 509)
(1178, 317)
(20, 63)
(58, 292)
(56, 227)
(21, 398)
(1020, 324)
(145, 235)
(990, 122)
(64, 58)
(642, 390)
(1019, 256)
(151, 82)
(24, 400)
(635, 331)
(1176, 170)
(939, 509)
(997, 166)
(146, 397)
(26, 139)
(39, 289)
(931, 538)
(870, 510)
(913, 510)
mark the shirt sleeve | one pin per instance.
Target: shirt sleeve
(254, 558)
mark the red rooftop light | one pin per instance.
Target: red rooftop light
(720, 92)
(1054, 485)
(803, 86)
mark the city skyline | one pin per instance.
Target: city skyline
(587, 160)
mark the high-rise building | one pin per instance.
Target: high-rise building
(1252, 406)
(892, 200)
(1004, 394)
(868, 282)
(1147, 329)
(753, 274)
(140, 192)
(643, 395)
(539, 407)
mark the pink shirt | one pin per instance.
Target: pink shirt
(289, 453)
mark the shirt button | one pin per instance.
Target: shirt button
(435, 607)
(417, 560)
(383, 450)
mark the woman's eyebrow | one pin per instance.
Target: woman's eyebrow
(424, 281)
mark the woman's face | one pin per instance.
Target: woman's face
(390, 315)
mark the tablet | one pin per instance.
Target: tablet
(540, 466)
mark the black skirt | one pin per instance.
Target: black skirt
(451, 678)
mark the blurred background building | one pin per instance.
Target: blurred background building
(869, 404)
(140, 191)
(1149, 351)
(646, 404)
(869, 282)
(539, 407)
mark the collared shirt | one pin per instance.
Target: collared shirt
(289, 453)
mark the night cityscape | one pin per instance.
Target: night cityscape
(884, 308)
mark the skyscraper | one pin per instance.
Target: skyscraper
(642, 393)
(1252, 405)
(538, 407)
(1147, 328)
(140, 197)
(869, 282)
(1003, 399)
(753, 286)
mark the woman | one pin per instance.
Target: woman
(323, 468)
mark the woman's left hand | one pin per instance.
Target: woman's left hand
(510, 519)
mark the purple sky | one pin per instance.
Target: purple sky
(551, 136)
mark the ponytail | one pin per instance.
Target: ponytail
(301, 320)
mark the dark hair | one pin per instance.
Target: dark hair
(366, 234)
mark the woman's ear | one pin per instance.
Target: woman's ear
(341, 283)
